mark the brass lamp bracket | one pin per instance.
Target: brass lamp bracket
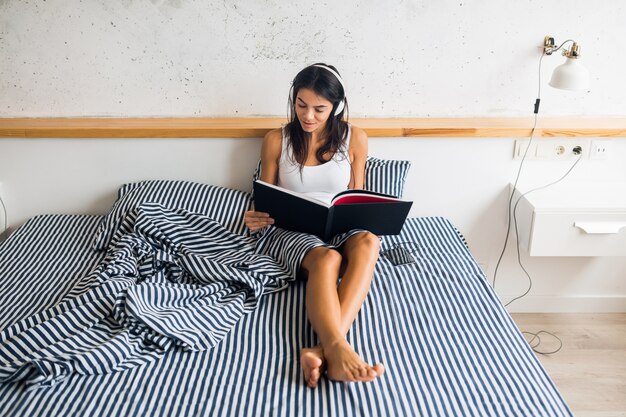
(549, 47)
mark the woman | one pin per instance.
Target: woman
(320, 154)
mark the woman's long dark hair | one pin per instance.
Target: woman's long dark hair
(325, 84)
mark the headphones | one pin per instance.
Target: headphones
(342, 104)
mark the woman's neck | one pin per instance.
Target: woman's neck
(317, 138)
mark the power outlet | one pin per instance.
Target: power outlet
(552, 149)
(600, 149)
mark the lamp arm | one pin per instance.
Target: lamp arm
(549, 48)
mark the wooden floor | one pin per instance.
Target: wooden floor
(590, 368)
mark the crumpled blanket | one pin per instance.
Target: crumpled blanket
(171, 279)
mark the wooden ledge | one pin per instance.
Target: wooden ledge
(252, 127)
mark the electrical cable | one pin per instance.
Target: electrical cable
(536, 336)
(519, 256)
(519, 171)
(510, 204)
(508, 221)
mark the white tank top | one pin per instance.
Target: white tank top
(319, 181)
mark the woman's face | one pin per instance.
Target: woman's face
(312, 110)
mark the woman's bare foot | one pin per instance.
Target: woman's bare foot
(312, 362)
(344, 364)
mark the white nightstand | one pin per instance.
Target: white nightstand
(573, 219)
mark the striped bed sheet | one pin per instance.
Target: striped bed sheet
(448, 345)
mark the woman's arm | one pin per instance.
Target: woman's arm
(358, 154)
(270, 154)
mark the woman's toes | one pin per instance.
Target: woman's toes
(379, 369)
(311, 361)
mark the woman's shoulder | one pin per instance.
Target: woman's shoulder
(357, 134)
(272, 144)
(274, 136)
(274, 133)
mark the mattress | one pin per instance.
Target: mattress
(448, 345)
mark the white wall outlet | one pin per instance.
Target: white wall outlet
(600, 149)
(552, 149)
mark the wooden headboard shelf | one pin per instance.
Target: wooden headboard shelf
(255, 127)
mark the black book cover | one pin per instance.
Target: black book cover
(351, 209)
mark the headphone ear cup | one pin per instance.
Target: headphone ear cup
(340, 107)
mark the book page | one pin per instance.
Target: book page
(361, 196)
(297, 194)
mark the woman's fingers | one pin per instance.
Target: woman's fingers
(254, 226)
(257, 220)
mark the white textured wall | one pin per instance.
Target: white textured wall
(206, 58)
(438, 58)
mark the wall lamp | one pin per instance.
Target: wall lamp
(571, 75)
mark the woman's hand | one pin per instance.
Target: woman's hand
(256, 220)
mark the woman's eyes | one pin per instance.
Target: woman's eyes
(302, 106)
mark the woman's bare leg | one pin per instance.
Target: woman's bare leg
(361, 253)
(332, 310)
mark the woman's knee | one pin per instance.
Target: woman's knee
(321, 258)
(366, 243)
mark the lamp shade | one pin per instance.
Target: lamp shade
(571, 75)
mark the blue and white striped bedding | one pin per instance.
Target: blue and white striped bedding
(172, 279)
(448, 345)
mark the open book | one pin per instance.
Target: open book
(381, 214)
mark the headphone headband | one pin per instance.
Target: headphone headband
(342, 103)
(332, 71)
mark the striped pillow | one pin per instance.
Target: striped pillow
(225, 205)
(386, 176)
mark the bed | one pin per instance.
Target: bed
(448, 345)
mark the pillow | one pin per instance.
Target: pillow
(225, 205)
(386, 176)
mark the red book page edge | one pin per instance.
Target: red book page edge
(356, 199)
